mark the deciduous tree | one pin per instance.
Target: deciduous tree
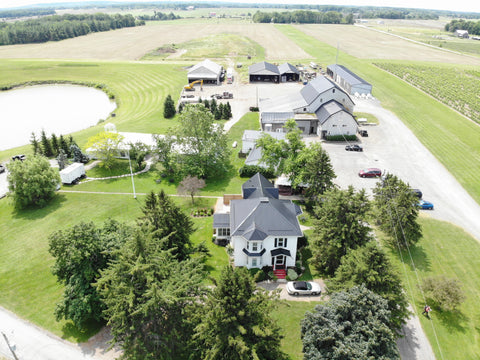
(340, 226)
(351, 325)
(32, 181)
(237, 323)
(205, 150)
(370, 266)
(397, 211)
(105, 146)
(191, 185)
(151, 300)
(80, 253)
(444, 292)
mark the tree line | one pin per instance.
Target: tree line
(303, 17)
(18, 13)
(157, 15)
(473, 27)
(55, 28)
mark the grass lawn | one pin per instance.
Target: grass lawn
(446, 250)
(288, 315)
(27, 286)
(139, 89)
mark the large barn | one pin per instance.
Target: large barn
(349, 81)
(305, 108)
(264, 71)
(207, 70)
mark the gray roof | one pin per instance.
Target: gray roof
(254, 156)
(272, 217)
(253, 135)
(288, 69)
(346, 74)
(259, 187)
(276, 117)
(316, 87)
(221, 220)
(263, 68)
(328, 109)
(205, 69)
(285, 103)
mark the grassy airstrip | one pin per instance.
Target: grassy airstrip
(28, 288)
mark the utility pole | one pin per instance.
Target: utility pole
(9, 346)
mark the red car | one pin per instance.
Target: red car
(372, 172)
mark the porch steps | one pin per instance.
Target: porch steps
(280, 273)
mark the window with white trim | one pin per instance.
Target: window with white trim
(254, 246)
(254, 262)
(223, 231)
(280, 242)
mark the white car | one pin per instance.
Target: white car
(303, 288)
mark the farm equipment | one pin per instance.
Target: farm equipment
(190, 87)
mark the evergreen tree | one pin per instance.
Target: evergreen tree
(37, 150)
(237, 323)
(180, 107)
(397, 211)
(218, 112)
(351, 325)
(213, 106)
(46, 145)
(369, 265)
(151, 300)
(340, 226)
(64, 146)
(78, 155)
(225, 112)
(62, 159)
(169, 108)
(206, 103)
(229, 110)
(169, 225)
(55, 144)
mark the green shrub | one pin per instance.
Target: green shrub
(292, 274)
(341, 138)
(248, 171)
(258, 275)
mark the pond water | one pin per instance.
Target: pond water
(59, 109)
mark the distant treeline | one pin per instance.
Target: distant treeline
(399, 14)
(157, 15)
(473, 27)
(303, 17)
(54, 28)
(9, 14)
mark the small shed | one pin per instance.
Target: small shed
(263, 71)
(461, 33)
(348, 80)
(207, 70)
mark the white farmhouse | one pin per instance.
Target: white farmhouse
(262, 229)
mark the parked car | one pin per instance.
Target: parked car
(19, 157)
(417, 193)
(371, 172)
(303, 288)
(354, 147)
(2, 168)
(425, 205)
(363, 133)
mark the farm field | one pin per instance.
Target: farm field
(133, 43)
(364, 43)
(454, 86)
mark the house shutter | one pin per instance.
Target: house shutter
(276, 241)
(285, 243)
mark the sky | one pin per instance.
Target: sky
(459, 5)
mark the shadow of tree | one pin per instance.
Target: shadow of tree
(70, 331)
(453, 320)
(35, 213)
(419, 257)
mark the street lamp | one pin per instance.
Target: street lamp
(131, 173)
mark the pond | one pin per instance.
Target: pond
(59, 109)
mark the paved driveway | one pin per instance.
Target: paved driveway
(392, 147)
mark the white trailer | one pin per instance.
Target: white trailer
(229, 75)
(72, 173)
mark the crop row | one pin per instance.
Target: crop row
(457, 88)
